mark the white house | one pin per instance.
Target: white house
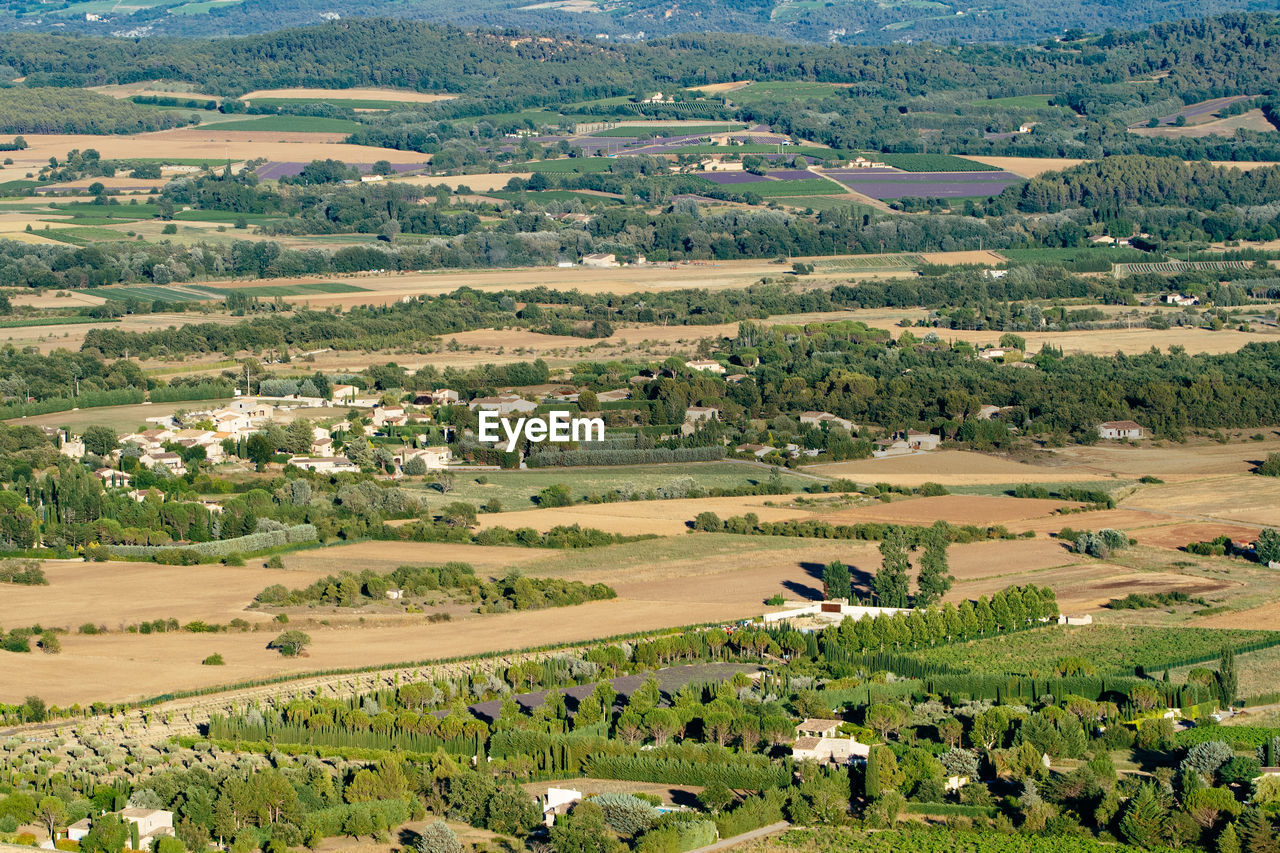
(345, 393)
(503, 404)
(617, 395)
(323, 464)
(558, 801)
(757, 450)
(601, 260)
(436, 458)
(444, 396)
(1119, 430)
(817, 419)
(705, 365)
(151, 823)
(171, 462)
(73, 447)
(112, 477)
(389, 416)
(921, 440)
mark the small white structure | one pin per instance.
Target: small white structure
(1179, 299)
(921, 440)
(1116, 430)
(757, 450)
(73, 447)
(558, 801)
(705, 365)
(436, 458)
(615, 396)
(112, 477)
(821, 614)
(444, 396)
(78, 830)
(395, 594)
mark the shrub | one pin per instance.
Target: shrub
(291, 643)
(214, 659)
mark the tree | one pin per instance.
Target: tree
(882, 772)
(1257, 835)
(512, 812)
(51, 813)
(1228, 680)
(891, 584)
(33, 710)
(835, 577)
(715, 796)
(583, 830)
(99, 440)
(1267, 548)
(935, 572)
(260, 450)
(437, 837)
(1145, 819)
(1228, 840)
(886, 719)
(291, 643)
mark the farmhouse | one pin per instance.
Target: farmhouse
(503, 404)
(1119, 430)
(705, 365)
(921, 440)
(615, 396)
(436, 458)
(717, 164)
(152, 824)
(171, 462)
(601, 261)
(819, 418)
(323, 464)
(389, 416)
(73, 447)
(1179, 299)
(757, 450)
(345, 393)
(112, 477)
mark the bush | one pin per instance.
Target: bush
(291, 643)
(214, 659)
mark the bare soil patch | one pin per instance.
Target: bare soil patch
(388, 556)
(948, 467)
(955, 509)
(987, 258)
(1029, 167)
(664, 518)
(1177, 536)
(1252, 120)
(486, 182)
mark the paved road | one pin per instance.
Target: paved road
(726, 843)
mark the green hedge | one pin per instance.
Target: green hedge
(87, 400)
(948, 809)
(222, 547)
(739, 773)
(678, 837)
(202, 391)
(1240, 737)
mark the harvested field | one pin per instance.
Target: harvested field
(1252, 120)
(1087, 586)
(358, 94)
(999, 559)
(1250, 500)
(1265, 617)
(1243, 165)
(948, 467)
(1030, 167)
(955, 509)
(120, 418)
(1177, 536)
(203, 143)
(110, 593)
(986, 258)
(1174, 461)
(721, 88)
(388, 556)
(486, 182)
(1135, 340)
(665, 518)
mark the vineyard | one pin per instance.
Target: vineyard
(843, 840)
(1107, 648)
(870, 263)
(1174, 267)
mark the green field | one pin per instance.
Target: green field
(221, 216)
(1026, 102)
(349, 103)
(553, 195)
(82, 236)
(784, 90)
(818, 203)
(567, 165)
(153, 292)
(790, 189)
(1113, 649)
(515, 489)
(793, 150)
(670, 130)
(933, 163)
(869, 263)
(292, 124)
(273, 290)
(50, 321)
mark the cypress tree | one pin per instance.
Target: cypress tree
(891, 584)
(1228, 840)
(935, 572)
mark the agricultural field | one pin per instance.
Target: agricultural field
(932, 163)
(291, 124)
(883, 184)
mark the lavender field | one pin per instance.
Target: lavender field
(886, 184)
(726, 178)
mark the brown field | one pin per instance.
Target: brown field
(1266, 616)
(987, 258)
(1180, 535)
(955, 509)
(1136, 340)
(1243, 165)
(121, 594)
(150, 87)
(388, 556)
(206, 142)
(485, 182)
(112, 183)
(356, 94)
(948, 467)
(1029, 167)
(1177, 461)
(719, 88)
(71, 336)
(1087, 586)
(1251, 120)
